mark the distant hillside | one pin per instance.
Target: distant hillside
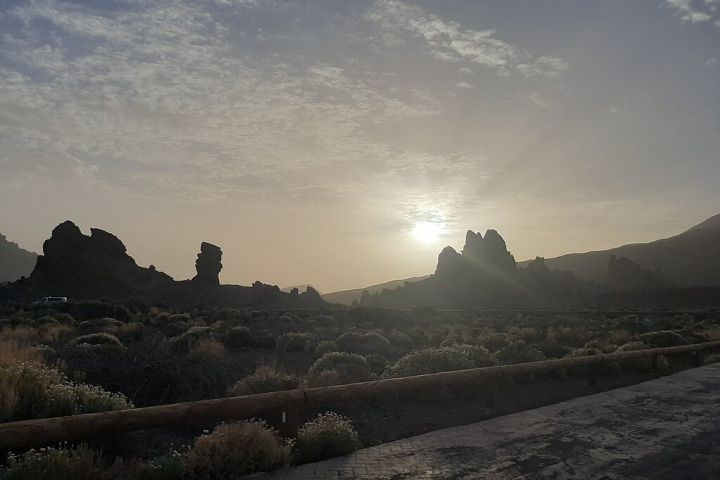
(346, 297)
(15, 262)
(691, 258)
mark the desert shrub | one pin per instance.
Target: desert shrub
(236, 449)
(377, 363)
(453, 339)
(242, 337)
(519, 352)
(430, 360)
(206, 348)
(178, 317)
(13, 351)
(265, 379)
(232, 315)
(324, 347)
(585, 352)
(402, 339)
(632, 346)
(336, 368)
(64, 318)
(29, 390)
(479, 356)
(363, 343)
(188, 339)
(291, 342)
(103, 341)
(150, 372)
(88, 309)
(78, 463)
(494, 342)
(552, 349)
(45, 321)
(238, 337)
(105, 324)
(174, 329)
(665, 338)
(329, 435)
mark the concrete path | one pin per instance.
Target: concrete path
(668, 428)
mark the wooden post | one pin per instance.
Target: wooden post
(286, 421)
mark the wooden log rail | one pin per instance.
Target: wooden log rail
(47, 431)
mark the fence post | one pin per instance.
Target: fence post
(288, 422)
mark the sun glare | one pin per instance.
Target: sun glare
(428, 232)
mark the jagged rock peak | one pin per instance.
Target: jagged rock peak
(107, 242)
(208, 264)
(449, 262)
(65, 238)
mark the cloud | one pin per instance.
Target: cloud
(449, 41)
(693, 11)
(170, 99)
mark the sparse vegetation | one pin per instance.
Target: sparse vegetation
(59, 363)
(235, 449)
(329, 435)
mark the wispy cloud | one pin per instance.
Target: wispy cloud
(697, 11)
(450, 41)
(167, 98)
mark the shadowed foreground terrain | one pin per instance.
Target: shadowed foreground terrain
(663, 428)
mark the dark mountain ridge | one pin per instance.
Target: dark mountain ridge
(688, 259)
(15, 262)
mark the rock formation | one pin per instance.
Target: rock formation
(74, 264)
(208, 264)
(96, 266)
(479, 256)
(624, 274)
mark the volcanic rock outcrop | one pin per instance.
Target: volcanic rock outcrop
(624, 274)
(96, 266)
(480, 255)
(484, 274)
(208, 264)
(74, 264)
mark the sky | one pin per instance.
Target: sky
(344, 143)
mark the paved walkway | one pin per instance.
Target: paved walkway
(668, 428)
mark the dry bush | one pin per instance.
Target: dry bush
(363, 343)
(29, 335)
(329, 435)
(265, 379)
(325, 346)
(292, 342)
(12, 351)
(236, 449)
(207, 348)
(519, 352)
(338, 368)
(30, 390)
(78, 463)
(430, 360)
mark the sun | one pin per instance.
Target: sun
(428, 232)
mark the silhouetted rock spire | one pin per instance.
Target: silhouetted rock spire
(208, 264)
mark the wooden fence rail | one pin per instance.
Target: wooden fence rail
(47, 431)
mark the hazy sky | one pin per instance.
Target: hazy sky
(309, 138)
